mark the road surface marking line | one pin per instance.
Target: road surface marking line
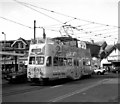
(77, 91)
(56, 86)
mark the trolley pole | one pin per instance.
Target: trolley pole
(34, 31)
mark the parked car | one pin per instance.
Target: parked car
(99, 71)
(115, 69)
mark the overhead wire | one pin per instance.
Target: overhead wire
(24, 4)
(15, 22)
(74, 18)
(91, 22)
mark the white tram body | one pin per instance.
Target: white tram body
(51, 59)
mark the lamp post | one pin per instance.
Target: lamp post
(4, 48)
(4, 39)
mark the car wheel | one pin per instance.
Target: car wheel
(99, 73)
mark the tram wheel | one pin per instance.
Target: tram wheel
(76, 75)
(44, 81)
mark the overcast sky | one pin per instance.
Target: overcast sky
(98, 11)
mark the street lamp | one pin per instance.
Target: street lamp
(4, 38)
(4, 49)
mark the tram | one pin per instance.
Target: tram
(60, 57)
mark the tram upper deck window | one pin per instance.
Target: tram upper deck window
(71, 43)
(32, 60)
(39, 60)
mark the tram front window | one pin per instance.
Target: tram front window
(32, 60)
(39, 60)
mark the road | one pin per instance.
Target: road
(98, 88)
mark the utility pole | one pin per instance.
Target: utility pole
(34, 31)
(44, 35)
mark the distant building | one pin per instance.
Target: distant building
(14, 46)
(112, 55)
(115, 54)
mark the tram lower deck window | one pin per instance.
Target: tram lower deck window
(60, 61)
(55, 61)
(49, 61)
(32, 60)
(69, 61)
(39, 60)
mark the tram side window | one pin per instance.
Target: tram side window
(65, 61)
(55, 61)
(84, 62)
(32, 60)
(87, 63)
(60, 59)
(49, 61)
(76, 63)
(69, 61)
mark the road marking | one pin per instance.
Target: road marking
(77, 91)
(56, 86)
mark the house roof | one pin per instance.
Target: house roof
(20, 39)
(118, 46)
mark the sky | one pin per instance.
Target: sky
(94, 19)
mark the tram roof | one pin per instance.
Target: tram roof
(65, 38)
(10, 54)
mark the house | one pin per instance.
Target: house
(112, 55)
(20, 46)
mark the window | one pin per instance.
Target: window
(65, 61)
(22, 45)
(49, 61)
(55, 61)
(39, 60)
(83, 62)
(32, 60)
(60, 59)
(69, 61)
(87, 63)
(76, 63)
